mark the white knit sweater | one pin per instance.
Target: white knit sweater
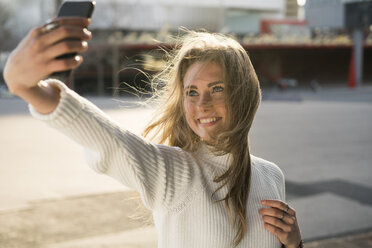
(176, 185)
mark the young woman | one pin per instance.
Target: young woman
(201, 182)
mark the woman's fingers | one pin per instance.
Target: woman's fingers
(279, 233)
(278, 214)
(64, 36)
(64, 32)
(72, 21)
(76, 21)
(280, 219)
(276, 231)
(279, 205)
(64, 64)
(282, 225)
(66, 47)
(56, 23)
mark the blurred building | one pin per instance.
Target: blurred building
(127, 34)
(238, 16)
(291, 8)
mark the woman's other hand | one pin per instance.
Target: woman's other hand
(280, 219)
(35, 56)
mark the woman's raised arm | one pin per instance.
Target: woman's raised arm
(34, 59)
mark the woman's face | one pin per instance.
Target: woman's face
(204, 99)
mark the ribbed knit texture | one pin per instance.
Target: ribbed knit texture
(176, 185)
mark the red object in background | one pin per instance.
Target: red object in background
(352, 75)
(266, 23)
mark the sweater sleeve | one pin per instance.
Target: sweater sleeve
(157, 172)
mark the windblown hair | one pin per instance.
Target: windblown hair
(242, 98)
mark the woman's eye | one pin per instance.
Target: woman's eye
(218, 89)
(192, 93)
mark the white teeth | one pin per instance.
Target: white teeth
(208, 120)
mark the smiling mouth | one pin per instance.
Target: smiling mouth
(209, 120)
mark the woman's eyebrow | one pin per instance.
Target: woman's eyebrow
(214, 83)
(209, 85)
(190, 87)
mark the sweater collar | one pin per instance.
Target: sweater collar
(206, 153)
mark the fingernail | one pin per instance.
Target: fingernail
(77, 58)
(84, 43)
(263, 202)
(87, 32)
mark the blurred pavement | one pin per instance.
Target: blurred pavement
(321, 140)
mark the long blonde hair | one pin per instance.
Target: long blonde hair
(242, 98)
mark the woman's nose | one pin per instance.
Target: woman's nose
(205, 100)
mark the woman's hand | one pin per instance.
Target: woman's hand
(35, 57)
(280, 219)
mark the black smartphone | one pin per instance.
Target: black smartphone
(73, 9)
(76, 8)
